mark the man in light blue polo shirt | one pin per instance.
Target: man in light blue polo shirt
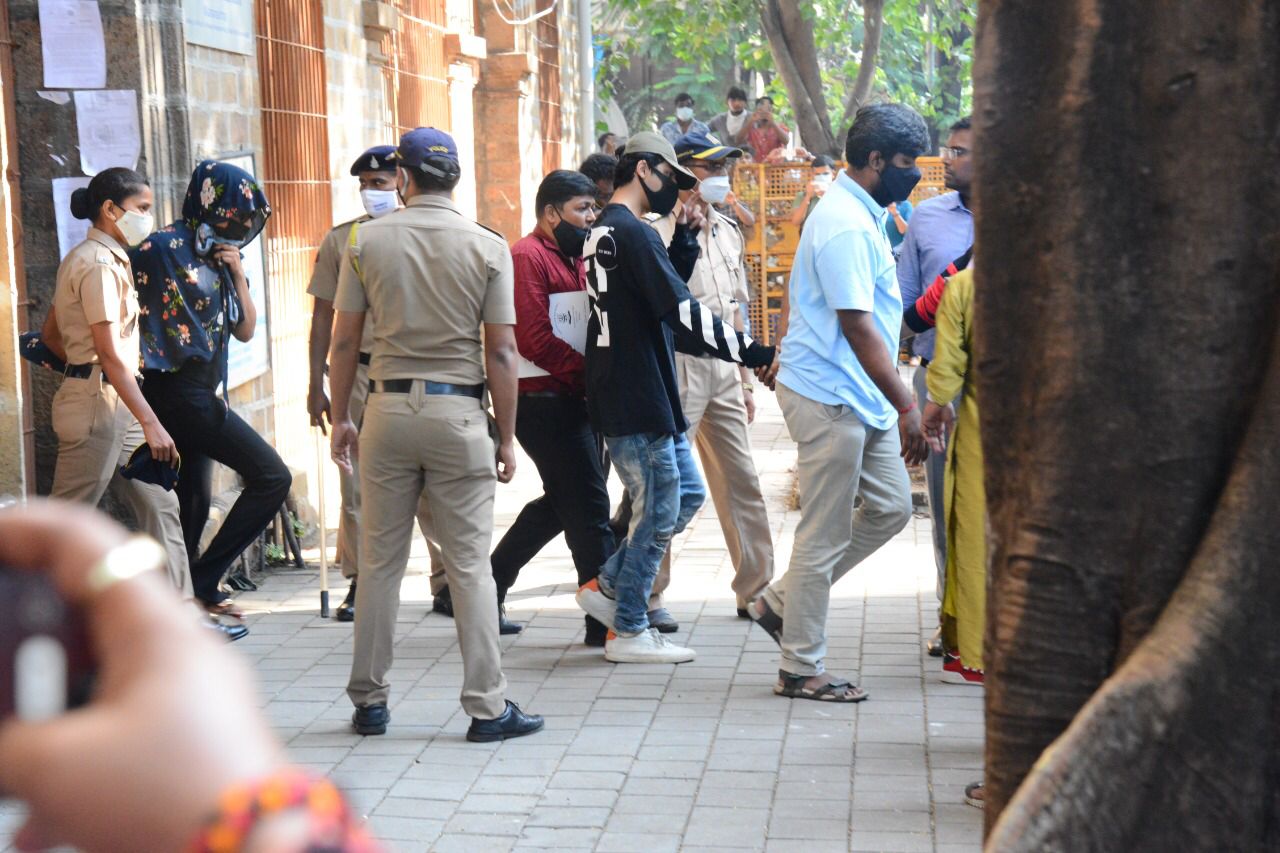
(853, 420)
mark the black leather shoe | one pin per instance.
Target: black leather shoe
(596, 634)
(346, 611)
(662, 619)
(513, 723)
(370, 719)
(505, 625)
(442, 603)
(229, 631)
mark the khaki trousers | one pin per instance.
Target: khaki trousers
(96, 435)
(711, 395)
(838, 457)
(349, 487)
(433, 447)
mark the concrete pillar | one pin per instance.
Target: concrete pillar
(464, 53)
(508, 147)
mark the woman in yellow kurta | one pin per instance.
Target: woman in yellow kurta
(951, 376)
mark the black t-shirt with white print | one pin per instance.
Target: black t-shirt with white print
(641, 311)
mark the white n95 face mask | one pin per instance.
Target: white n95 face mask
(684, 113)
(136, 227)
(379, 202)
(715, 189)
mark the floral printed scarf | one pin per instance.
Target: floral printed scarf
(188, 305)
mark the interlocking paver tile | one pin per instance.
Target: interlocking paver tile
(700, 756)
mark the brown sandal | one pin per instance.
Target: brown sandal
(223, 608)
(838, 690)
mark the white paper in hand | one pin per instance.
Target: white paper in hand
(568, 313)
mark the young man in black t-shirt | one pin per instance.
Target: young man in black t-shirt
(641, 310)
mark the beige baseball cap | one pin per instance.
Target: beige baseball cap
(648, 142)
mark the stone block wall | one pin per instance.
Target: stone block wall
(358, 115)
(222, 97)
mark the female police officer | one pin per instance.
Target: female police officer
(99, 413)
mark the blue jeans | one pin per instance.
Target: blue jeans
(666, 490)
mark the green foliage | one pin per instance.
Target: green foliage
(925, 57)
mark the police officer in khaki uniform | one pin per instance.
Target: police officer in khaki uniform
(717, 396)
(99, 413)
(376, 171)
(430, 279)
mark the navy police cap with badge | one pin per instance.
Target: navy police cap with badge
(377, 159)
(699, 146)
(422, 145)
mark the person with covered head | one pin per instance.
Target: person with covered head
(194, 297)
(99, 413)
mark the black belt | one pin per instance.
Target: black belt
(364, 358)
(79, 371)
(405, 386)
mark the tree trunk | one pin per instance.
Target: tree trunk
(872, 30)
(1128, 247)
(795, 53)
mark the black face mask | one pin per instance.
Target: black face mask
(570, 238)
(662, 201)
(896, 185)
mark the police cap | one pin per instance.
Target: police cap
(376, 159)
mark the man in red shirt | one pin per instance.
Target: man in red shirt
(551, 420)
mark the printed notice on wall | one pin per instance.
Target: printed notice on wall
(569, 313)
(71, 231)
(71, 40)
(224, 24)
(107, 122)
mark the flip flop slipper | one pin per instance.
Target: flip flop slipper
(839, 690)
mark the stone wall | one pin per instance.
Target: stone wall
(143, 53)
(358, 115)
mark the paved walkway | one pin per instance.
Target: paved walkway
(647, 758)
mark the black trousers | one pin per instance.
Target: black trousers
(206, 431)
(557, 435)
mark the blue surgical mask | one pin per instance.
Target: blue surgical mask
(207, 238)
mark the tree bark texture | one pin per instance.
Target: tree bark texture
(795, 53)
(872, 31)
(1128, 263)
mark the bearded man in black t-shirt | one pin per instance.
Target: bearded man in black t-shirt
(641, 311)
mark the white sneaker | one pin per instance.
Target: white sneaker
(646, 647)
(600, 606)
